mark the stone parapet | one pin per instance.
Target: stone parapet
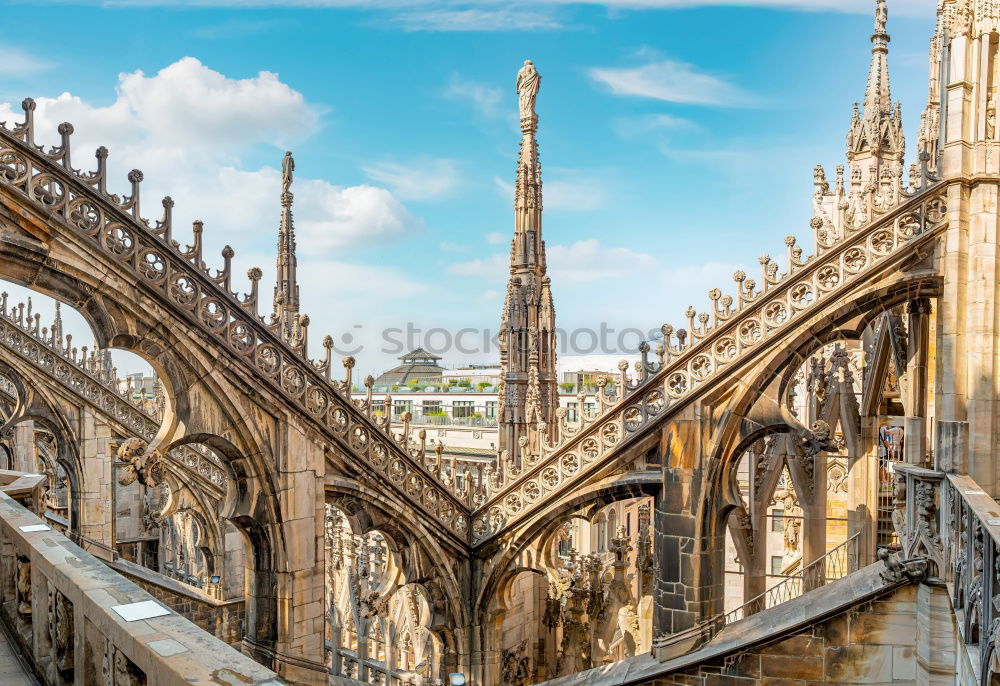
(57, 601)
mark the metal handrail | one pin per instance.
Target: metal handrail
(836, 564)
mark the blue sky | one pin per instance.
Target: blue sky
(677, 138)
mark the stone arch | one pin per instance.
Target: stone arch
(770, 378)
(249, 506)
(420, 558)
(36, 404)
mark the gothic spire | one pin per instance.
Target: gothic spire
(528, 397)
(878, 96)
(57, 327)
(875, 144)
(286, 289)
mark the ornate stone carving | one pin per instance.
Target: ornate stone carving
(22, 585)
(61, 633)
(897, 570)
(121, 671)
(515, 666)
(146, 467)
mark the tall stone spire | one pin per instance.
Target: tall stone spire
(875, 144)
(528, 396)
(285, 317)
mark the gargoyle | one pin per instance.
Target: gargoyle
(897, 570)
(819, 439)
(146, 467)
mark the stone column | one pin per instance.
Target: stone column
(966, 402)
(96, 524)
(301, 579)
(684, 582)
(25, 450)
(915, 437)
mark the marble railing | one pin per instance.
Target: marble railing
(64, 610)
(114, 227)
(705, 354)
(954, 523)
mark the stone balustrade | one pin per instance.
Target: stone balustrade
(953, 523)
(57, 602)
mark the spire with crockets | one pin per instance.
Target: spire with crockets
(285, 319)
(875, 144)
(528, 397)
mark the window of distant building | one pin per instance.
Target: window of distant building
(462, 409)
(571, 411)
(778, 519)
(378, 407)
(401, 406)
(776, 561)
(491, 409)
(602, 534)
(431, 407)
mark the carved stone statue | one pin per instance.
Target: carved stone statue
(881, 16)
(287, 168)
(897, 570)
(528, 83)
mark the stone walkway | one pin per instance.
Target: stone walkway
(11, 672)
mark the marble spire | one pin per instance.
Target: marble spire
(528, 395)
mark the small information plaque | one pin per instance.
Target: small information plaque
(993, 522)
(147, 609)
(974, 492)
(35, 527)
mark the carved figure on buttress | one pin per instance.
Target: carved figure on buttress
(141, 466)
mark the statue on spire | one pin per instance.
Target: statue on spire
(881, 16)
(528, 83)
(287, 167)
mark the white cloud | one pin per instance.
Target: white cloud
(492, 268)
(17, 63)
(423, 179)
(482, 96)
(581, 261)
(498, 18)
(495, 237)
(633, 127)
(672, 81)
(362, 280)
(502, 15)
(187, 127)
(590, 261)
(490, 294)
